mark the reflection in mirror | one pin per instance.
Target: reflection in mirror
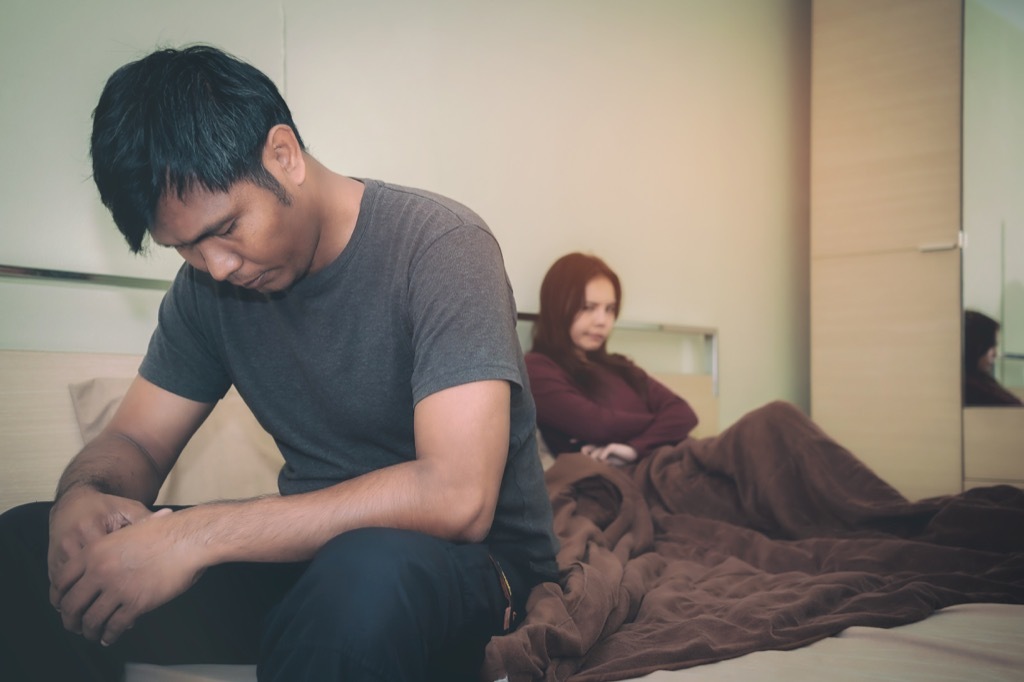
(993, 182)
(981, 348)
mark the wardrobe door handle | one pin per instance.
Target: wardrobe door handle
(961, 239)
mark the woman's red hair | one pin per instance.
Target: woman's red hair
(562, 297)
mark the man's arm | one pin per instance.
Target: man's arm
(107, 485)
(450, 491)
(133, 454)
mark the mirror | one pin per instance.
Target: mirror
(993, 176)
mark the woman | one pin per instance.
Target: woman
(981, 339)
(589, 400)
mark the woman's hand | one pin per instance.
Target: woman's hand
(615, 454)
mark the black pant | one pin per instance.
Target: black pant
(374, 604)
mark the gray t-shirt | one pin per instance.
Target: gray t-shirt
(418, 301)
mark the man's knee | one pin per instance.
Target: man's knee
(30, 515)
(367, 603)
(376, 577)
(25, 532)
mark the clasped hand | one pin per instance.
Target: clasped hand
(111, 560)
(616, 454)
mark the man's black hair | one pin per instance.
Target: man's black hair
(180, 119)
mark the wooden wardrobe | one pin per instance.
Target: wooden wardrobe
(886, 90)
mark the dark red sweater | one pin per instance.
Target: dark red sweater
(981, 388)
(569, 419)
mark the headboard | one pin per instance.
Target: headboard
(38, 430)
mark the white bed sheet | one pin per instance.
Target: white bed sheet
(970, 642)
(975, 642)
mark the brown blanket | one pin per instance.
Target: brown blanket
(769, 536)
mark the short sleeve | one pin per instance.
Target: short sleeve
(462, 313)
(182, 356)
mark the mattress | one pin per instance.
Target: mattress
(976, 642)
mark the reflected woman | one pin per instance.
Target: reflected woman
(590, 400)
(981, 341)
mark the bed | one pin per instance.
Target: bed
(768, 537)
(678, 569)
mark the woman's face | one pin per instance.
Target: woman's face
(987, 362)
(593, 323)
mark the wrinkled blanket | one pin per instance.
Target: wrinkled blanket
(768, 536)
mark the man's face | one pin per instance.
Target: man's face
(245, 236)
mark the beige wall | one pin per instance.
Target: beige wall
(668, 137)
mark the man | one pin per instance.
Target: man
(370, 328)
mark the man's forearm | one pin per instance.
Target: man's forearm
(295, 527)
(113, 464)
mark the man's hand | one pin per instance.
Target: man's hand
(81, 516)
(106, 547)
(616, 454)
(104, 587)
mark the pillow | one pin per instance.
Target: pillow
(229, 457)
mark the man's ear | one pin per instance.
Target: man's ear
(283, 155)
